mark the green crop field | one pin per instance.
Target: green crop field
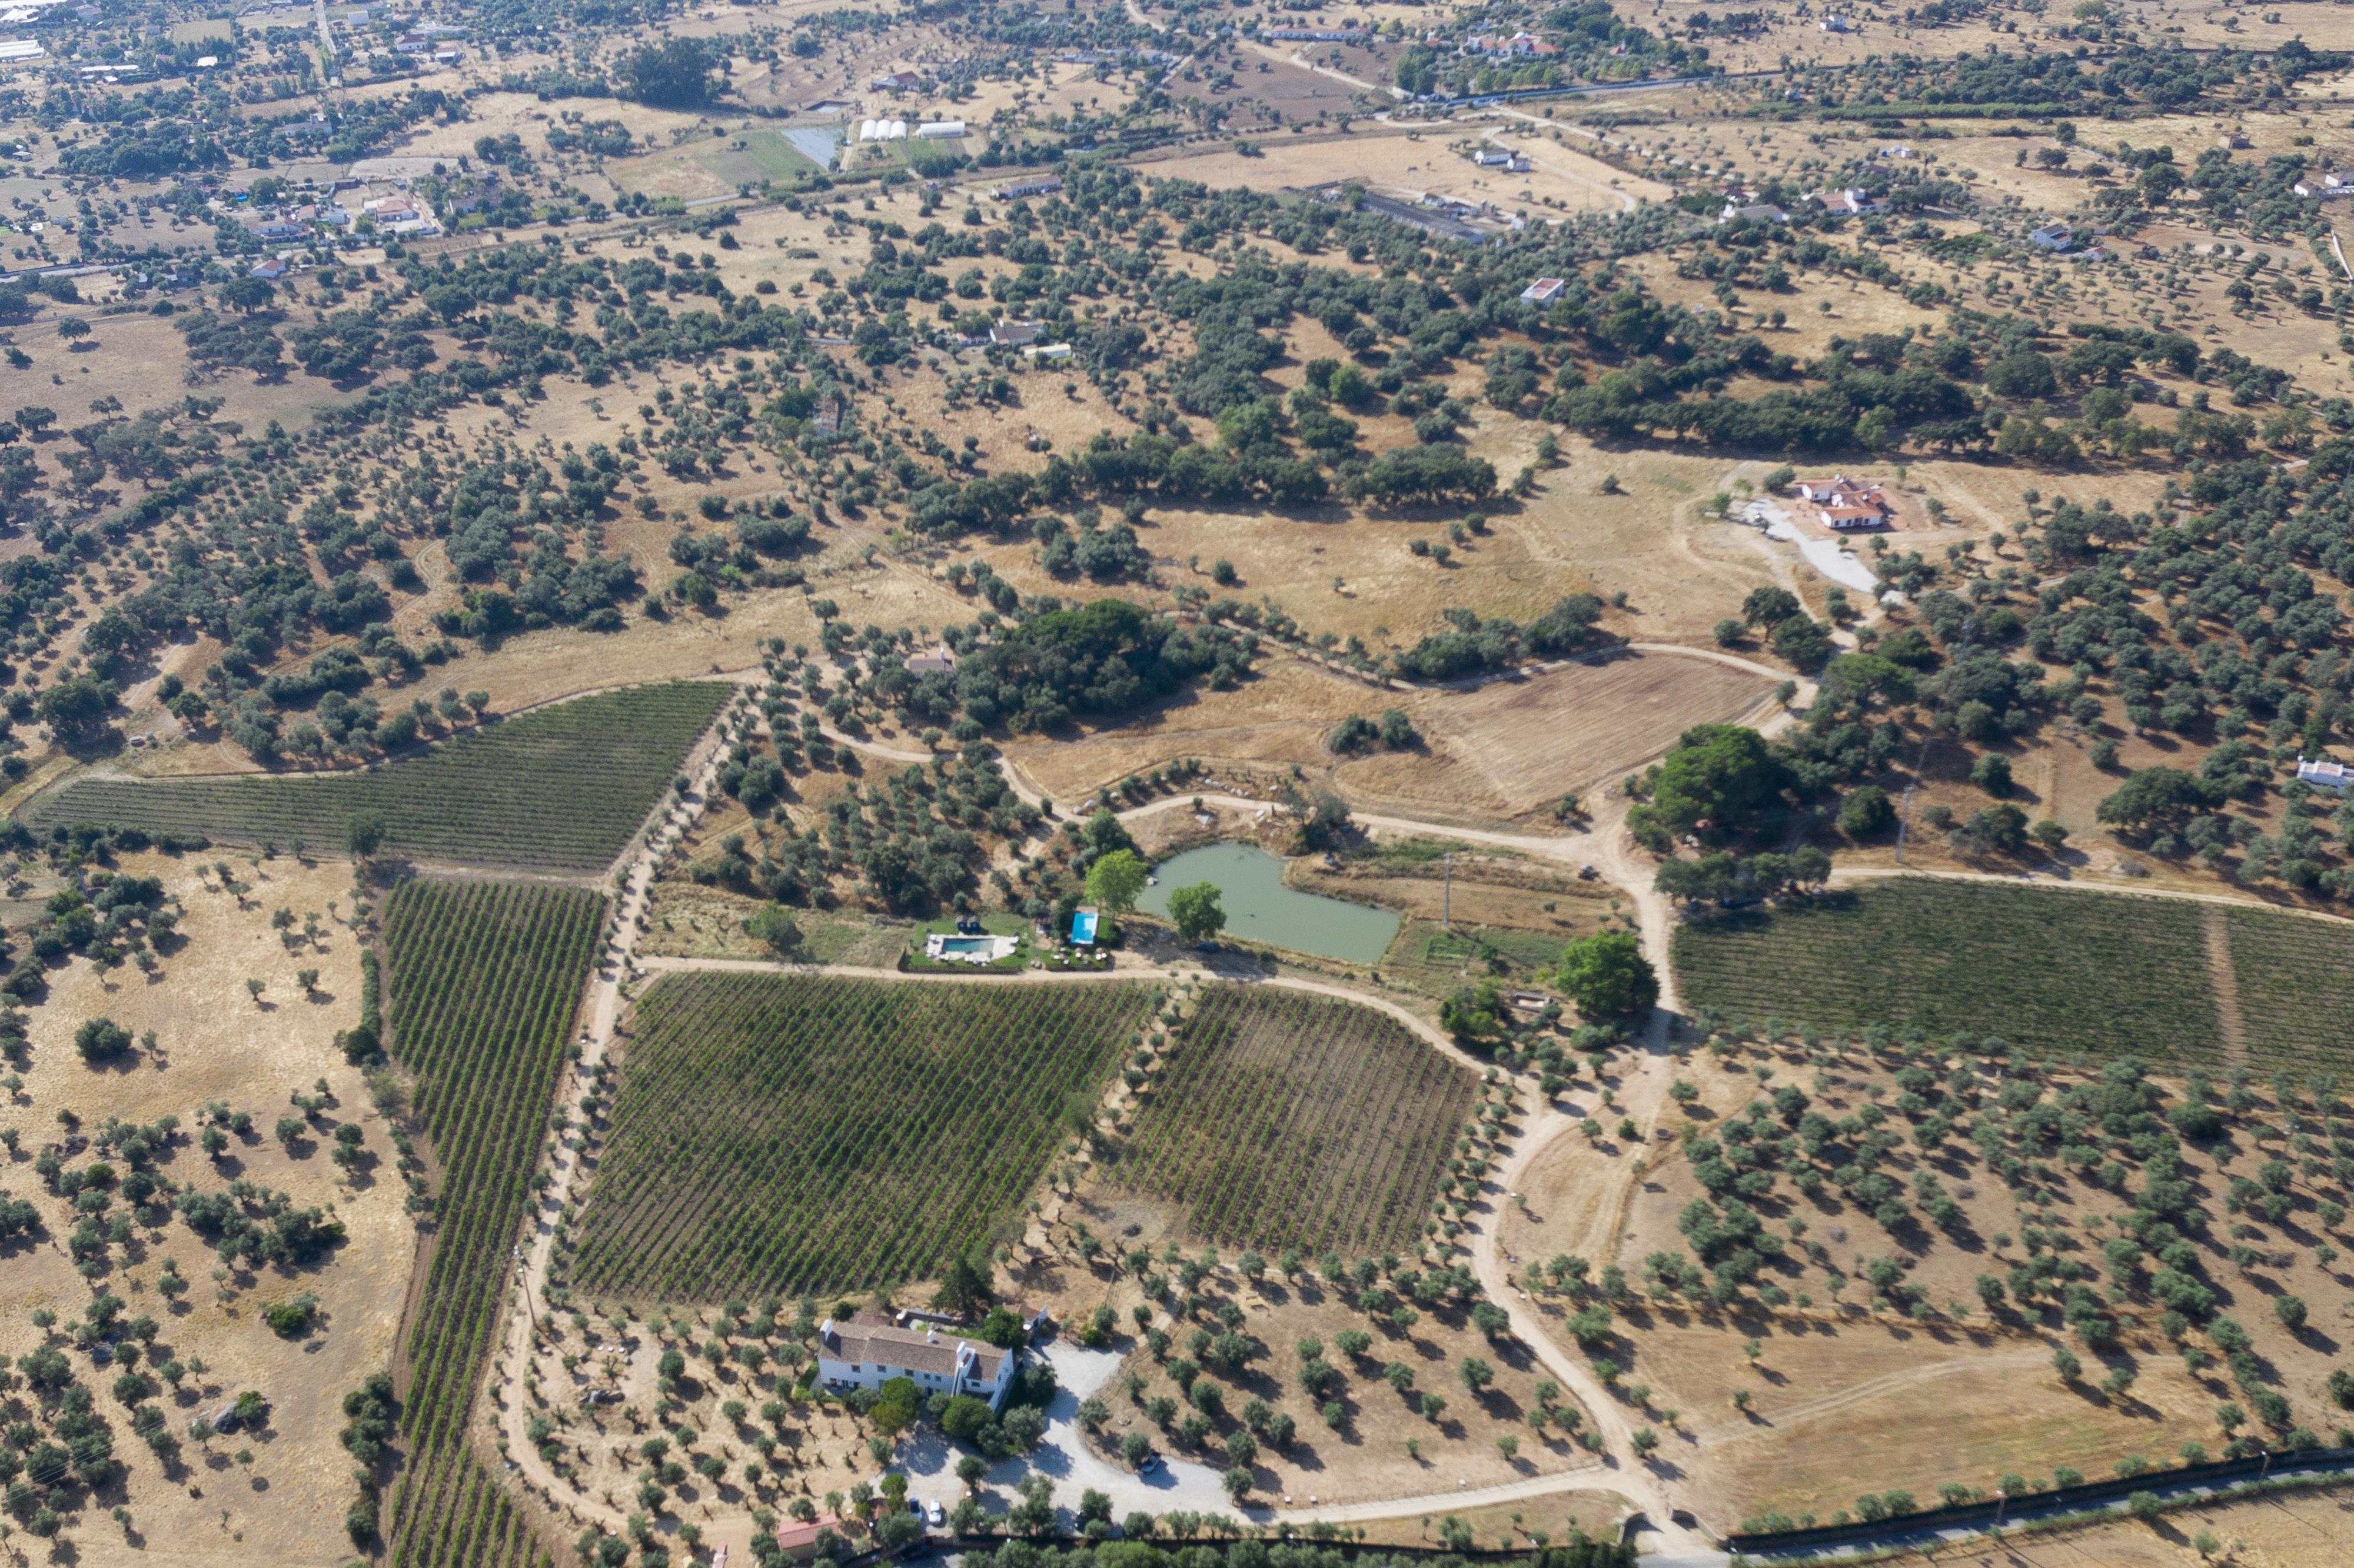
(2296, 988)
(787, 1134)
(559, 789)
(485, 980)
(2040, 968)
(1286, 1119)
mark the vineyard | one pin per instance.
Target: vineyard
(559, 789)
(2052, 970)
(485, 980)
(780, 1134)
(2296, 988)
(1285, 1119)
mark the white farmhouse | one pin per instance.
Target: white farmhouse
(867, 1352)
(2322, 773)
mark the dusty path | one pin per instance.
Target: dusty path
(1167, 973)
(600, 1012)
(2217, 930)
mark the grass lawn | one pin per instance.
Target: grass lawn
(996, 922)
(1436, 960)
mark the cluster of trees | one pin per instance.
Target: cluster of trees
(1988, 381)
(1475, 645)
(2104, 1128)
(913, 838)
(1357, 733)
(677, 73)
(1724, 775)
(1109, 656)
(1593, 45)
(2003, 84)
(119, 919)
(1723, 877)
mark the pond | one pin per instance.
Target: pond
(1260, 908)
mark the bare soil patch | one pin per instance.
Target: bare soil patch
(1584, 723)
(1495, 753)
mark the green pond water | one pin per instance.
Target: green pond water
(1260, 908)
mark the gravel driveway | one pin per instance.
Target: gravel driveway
(1066, 1457)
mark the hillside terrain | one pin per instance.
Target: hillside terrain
(1451, 776)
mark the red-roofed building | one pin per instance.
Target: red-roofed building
(1845, 505)
(799, 1541)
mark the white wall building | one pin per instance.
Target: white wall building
(867, 1352)
(2324, 774)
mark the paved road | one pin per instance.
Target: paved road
(326, 41)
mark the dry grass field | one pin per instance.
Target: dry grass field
(1594, 719)
(1510, 1525)
(1383, 1446)
(278, 1493)
(2289, 1528)
(1436, 161)
(1830, 1380)
(1475, 762)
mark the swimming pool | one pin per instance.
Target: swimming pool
(969, 949)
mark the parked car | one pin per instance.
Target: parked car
(934, 1514)
(1154, 1465)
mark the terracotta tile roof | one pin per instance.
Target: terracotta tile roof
(929, 1349)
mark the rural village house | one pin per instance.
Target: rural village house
(2324, 774)
(867, 1352)
(1842, 505)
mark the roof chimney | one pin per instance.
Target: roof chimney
(931, 1336)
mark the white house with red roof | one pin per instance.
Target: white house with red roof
(1845, 505)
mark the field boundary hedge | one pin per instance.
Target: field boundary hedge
(2059, 1500)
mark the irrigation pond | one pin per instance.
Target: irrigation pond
(1260, 908)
